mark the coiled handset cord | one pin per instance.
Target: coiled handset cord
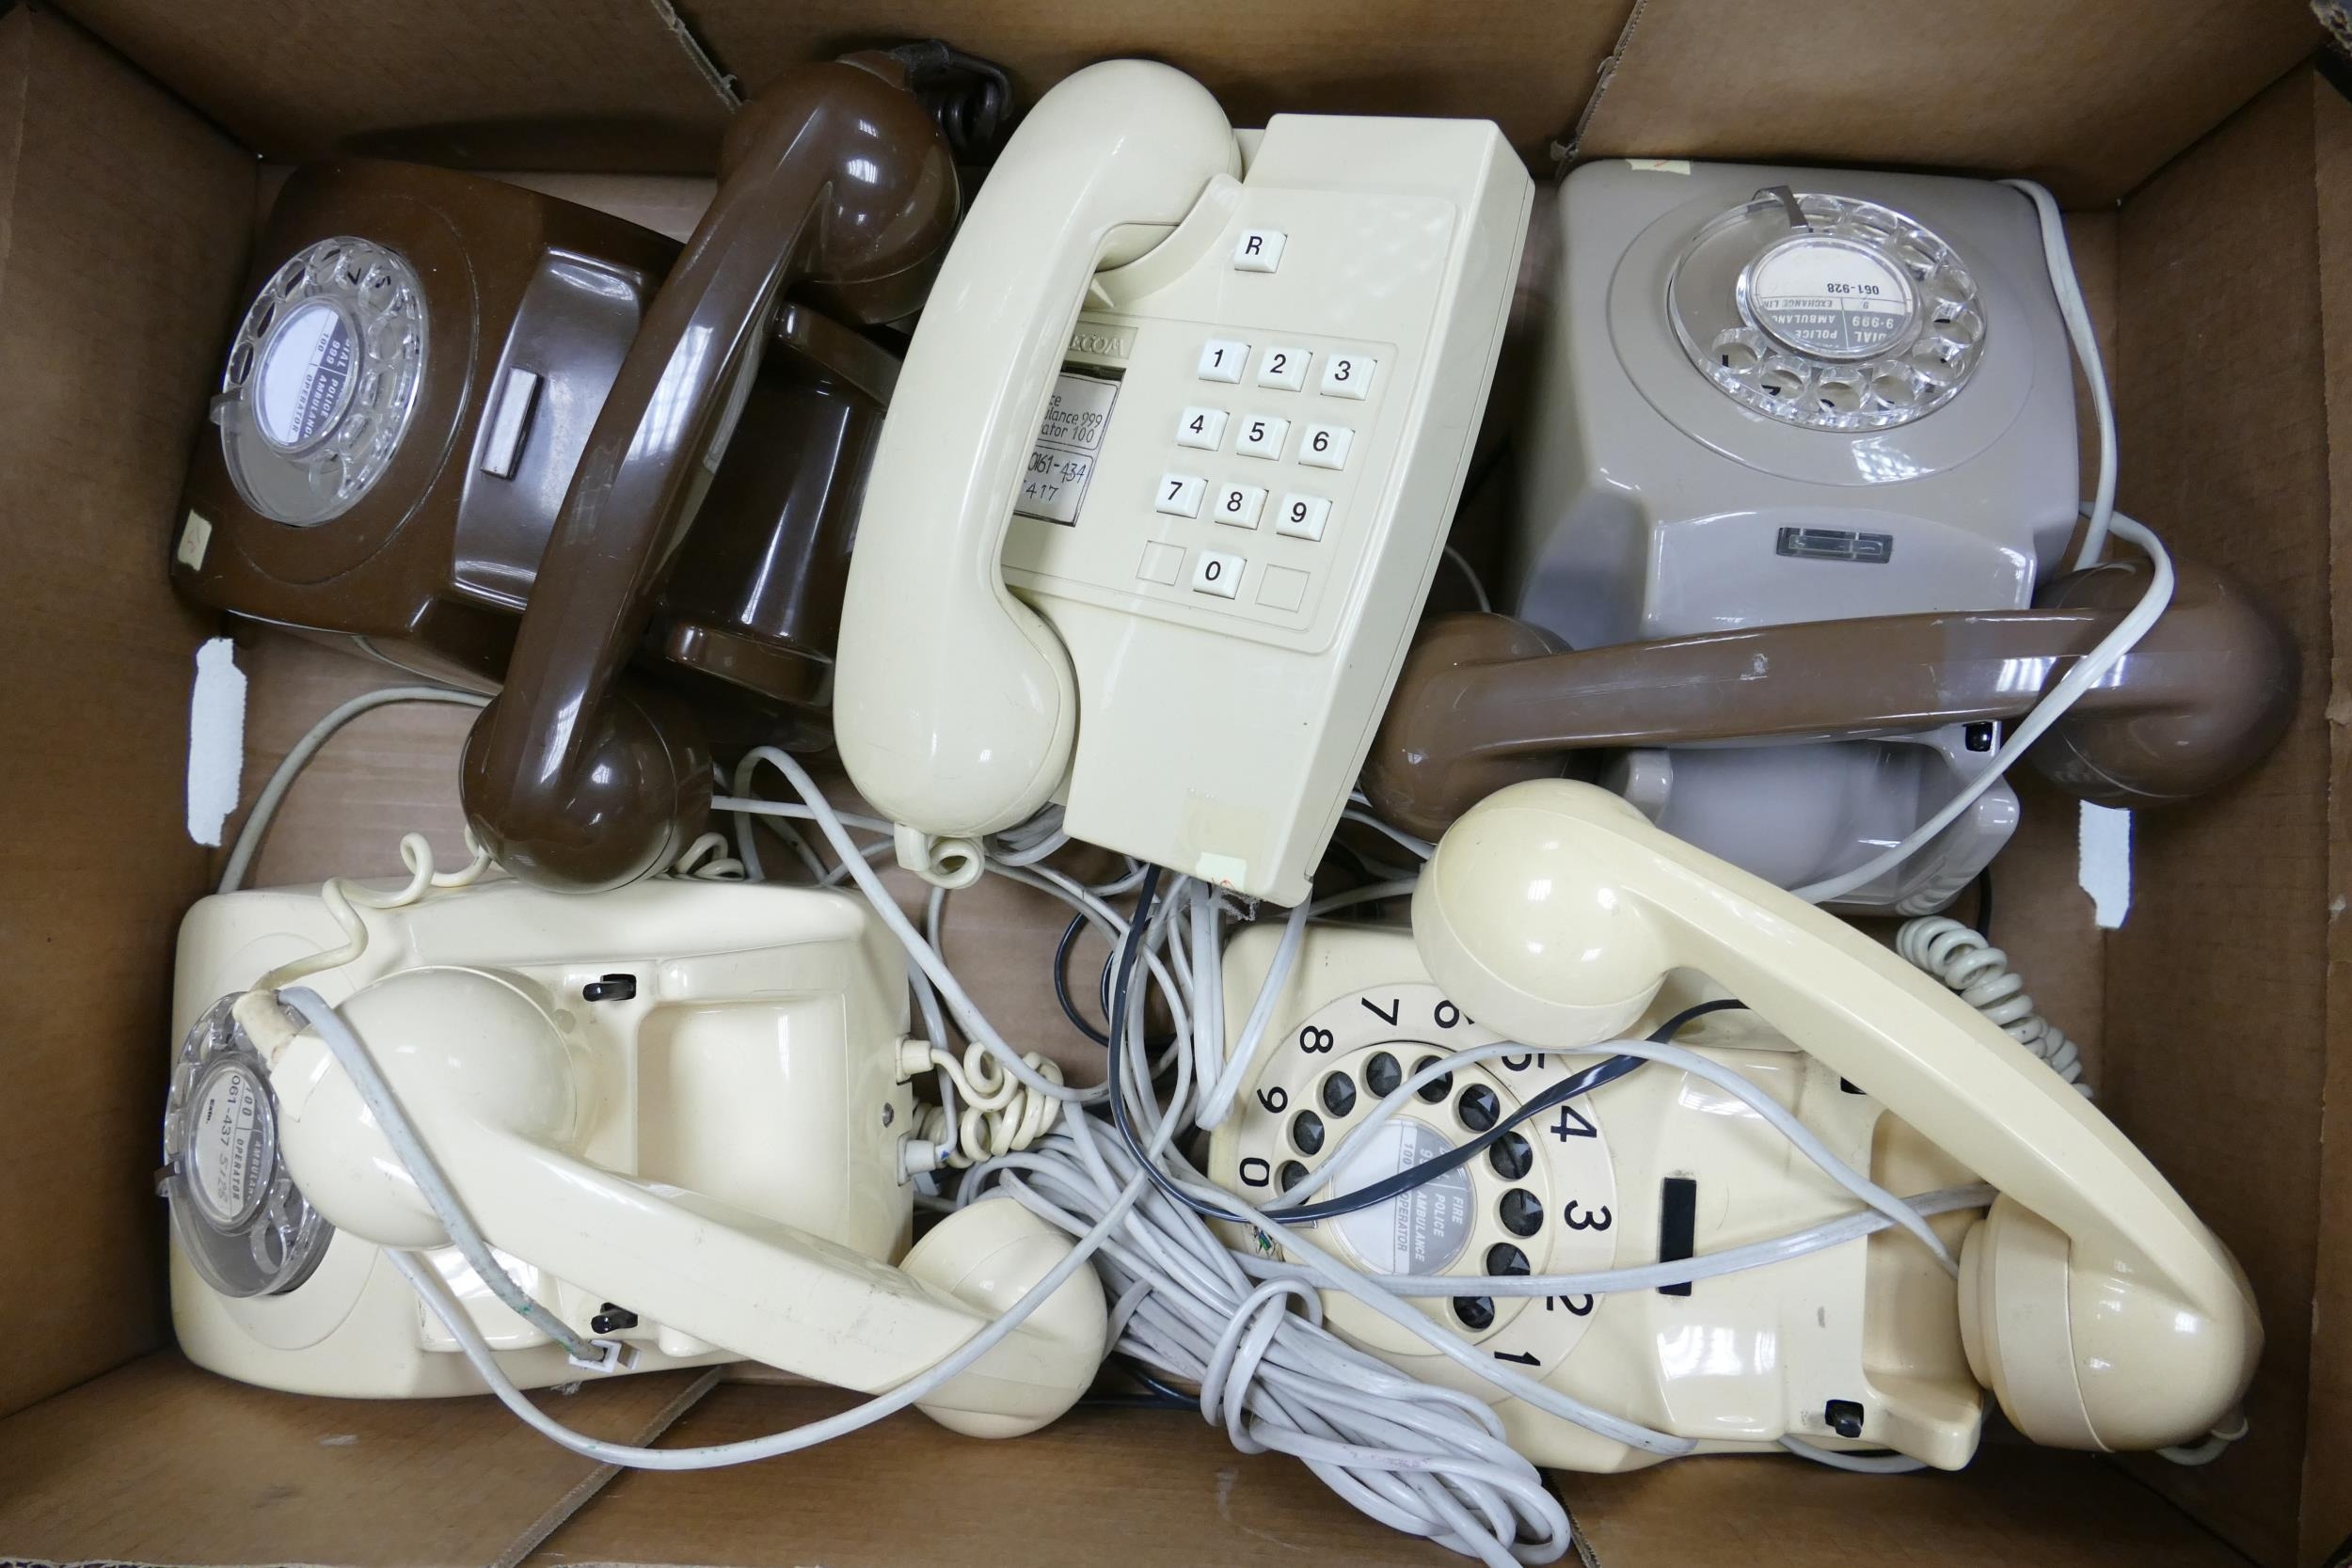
(1979, 973)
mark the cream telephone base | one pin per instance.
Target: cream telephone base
(674, 1111)
(1253, 367)
(2098, 1310)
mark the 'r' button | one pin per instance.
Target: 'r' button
(1259, 250)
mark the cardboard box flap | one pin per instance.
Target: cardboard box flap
(161, 1463)
(2327, 1461)
(125, 227)
(1529, 68)
(1170, 1492)
(2217, 987)
(531, 84)
(2089, 96)
(2013, 1505)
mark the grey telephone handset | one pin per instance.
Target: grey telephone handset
(1167, 473)
(1781, 394)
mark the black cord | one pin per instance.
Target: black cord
(1070, 1006)
(1984, 903)
(969, 97)
(1129, 952)
(1062, 981)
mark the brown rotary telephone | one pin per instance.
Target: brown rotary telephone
(500, 439)
(1486, 701)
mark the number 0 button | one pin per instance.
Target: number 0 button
(1345, 375)
(1216, 573)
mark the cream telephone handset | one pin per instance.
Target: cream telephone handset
(2098, 1310)
(1167, 473)
(676, 1114)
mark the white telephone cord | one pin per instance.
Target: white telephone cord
(1979, 972)
(2101, 520)
(2087, 672)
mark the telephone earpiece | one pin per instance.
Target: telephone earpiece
(967, 728)
(495, 1084)
(2098, 1308)
(1486, 701)
(835, 183)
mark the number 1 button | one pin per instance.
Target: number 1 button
(1221, 359)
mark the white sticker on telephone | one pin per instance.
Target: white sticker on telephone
(1824, 296)
(1418, 1232)
(1054, 487)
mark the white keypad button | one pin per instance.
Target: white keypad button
(1179, 495)
(1200, 427)
(1282, 588)
(1238, 505)
(1162, 563)
(1347, 375)
(1302, 517)
(1259, 250)
(1325, 445)
(1215, 572)
(1261, 437)
(1221, 359)
(1284, 369)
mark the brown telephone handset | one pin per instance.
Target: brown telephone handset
(1486, 701)
(835, 185)
(427, 361)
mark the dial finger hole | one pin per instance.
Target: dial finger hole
(1291, 1175)
(1339, 1094)
(1840, 394)
(1780, 378)
(1438, 1087)
(1521, 1212)
(1306, 1132)
(1502, 1257)
(1478, 1107)
(1475, 1312)
(1511, 1157)
(1382, 1074)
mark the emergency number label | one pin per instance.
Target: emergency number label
(1054, 486)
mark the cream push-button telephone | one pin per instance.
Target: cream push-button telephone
(674, 1113)
(2086, 1297)
(1167, 473)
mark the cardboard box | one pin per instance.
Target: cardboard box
(2205, 149)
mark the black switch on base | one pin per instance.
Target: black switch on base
(1844, 1417)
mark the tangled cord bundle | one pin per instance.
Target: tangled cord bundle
(1979, 973)
(1103, 1164)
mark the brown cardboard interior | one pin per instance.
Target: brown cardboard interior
(600, 84)
(2239, 886)
(2086, 96)
(119, 206)
(105, 349)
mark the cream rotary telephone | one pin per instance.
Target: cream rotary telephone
(2097, 1308)
(676, 1113)
(1252, 365)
